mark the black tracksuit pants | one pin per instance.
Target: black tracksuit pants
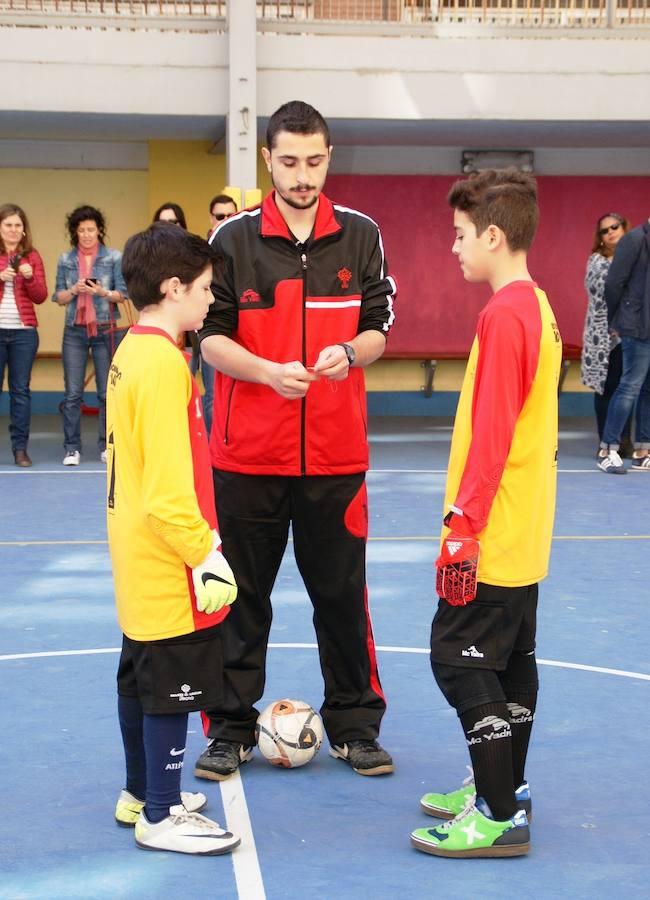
(329, 519)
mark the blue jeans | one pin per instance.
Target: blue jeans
(207, 373)
(634, 383)
(18, 348)
(76, 346)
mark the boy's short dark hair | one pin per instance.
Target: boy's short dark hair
(162, 251)
(298, 118)
(506, 198)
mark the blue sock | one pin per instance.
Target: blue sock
(129, 711)
(164, 744)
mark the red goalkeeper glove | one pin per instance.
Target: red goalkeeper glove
(456, 569)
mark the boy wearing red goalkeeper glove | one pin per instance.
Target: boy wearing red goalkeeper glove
(500, 504)
(173, 586)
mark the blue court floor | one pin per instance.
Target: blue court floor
(322, 831)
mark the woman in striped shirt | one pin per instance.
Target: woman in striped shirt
(22, 284)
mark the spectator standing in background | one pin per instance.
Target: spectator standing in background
(89, 284)
(627, 294)
(602, 356)
(22, 284)
(221, 207)
(171, 213)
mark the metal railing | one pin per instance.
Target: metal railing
(294, 14)
(530, 13)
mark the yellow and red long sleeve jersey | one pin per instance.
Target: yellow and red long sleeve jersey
(502, 472)
(160, 508)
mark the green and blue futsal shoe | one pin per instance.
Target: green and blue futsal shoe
(472, 834)
(128, 807)
(446, 806)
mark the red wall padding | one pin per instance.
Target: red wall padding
(436, 309)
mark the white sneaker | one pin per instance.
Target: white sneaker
(184, 832)
(128, 807)
(72, 458)
(102, 456)
(612, 463)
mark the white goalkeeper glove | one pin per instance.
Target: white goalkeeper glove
(214, 582)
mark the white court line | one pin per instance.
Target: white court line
(594, 471)
(621, 673)
(370, 471)
(65, 471)
(244, 859)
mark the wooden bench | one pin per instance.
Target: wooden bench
(429, 362)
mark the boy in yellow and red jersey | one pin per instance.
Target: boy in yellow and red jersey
(500, 505)
(172, 584)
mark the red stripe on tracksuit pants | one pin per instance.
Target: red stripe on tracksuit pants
(328, 516)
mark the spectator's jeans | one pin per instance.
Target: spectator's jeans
(76, 345)
(18, 348)
(635, 382)
(207, 374)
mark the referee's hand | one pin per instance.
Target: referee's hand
(291, 380)
(214, 582)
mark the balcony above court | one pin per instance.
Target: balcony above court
(130, 69)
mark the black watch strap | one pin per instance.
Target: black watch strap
(349, 352)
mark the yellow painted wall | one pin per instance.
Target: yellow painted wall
(185, 172)
(47, 195)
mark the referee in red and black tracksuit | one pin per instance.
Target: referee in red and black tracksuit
(303, 304)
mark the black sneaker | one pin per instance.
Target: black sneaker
(365, 757)
(221, 759)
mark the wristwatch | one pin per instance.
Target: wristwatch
(349, 352)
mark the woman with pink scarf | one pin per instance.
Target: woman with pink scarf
(90, 285)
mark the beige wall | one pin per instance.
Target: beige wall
(48, 195)
(181, 171)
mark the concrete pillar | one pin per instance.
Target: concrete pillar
(241, 133)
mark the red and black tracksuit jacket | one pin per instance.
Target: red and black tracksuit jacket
(285, 301)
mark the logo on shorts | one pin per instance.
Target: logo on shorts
(472, 651)
(186, 693)
(345, 277)
(453, 547)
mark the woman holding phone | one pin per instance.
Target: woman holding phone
(22, 284)
(90, 285)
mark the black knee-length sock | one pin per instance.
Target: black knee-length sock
(489, 739)
(164, 744)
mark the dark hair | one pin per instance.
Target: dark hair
(84, 214)
(298, 118)
(162, 251)
(11, 209)
(222, 198)
(176, 209)
(506, 198)
(597, 245)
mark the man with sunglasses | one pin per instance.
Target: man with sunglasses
(221, 207)
(627, 294)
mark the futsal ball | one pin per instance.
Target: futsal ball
(289, 733)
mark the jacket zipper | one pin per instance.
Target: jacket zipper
(303, 460)
(225, 430)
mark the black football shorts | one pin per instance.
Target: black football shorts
(485, 633)
(180, 674)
